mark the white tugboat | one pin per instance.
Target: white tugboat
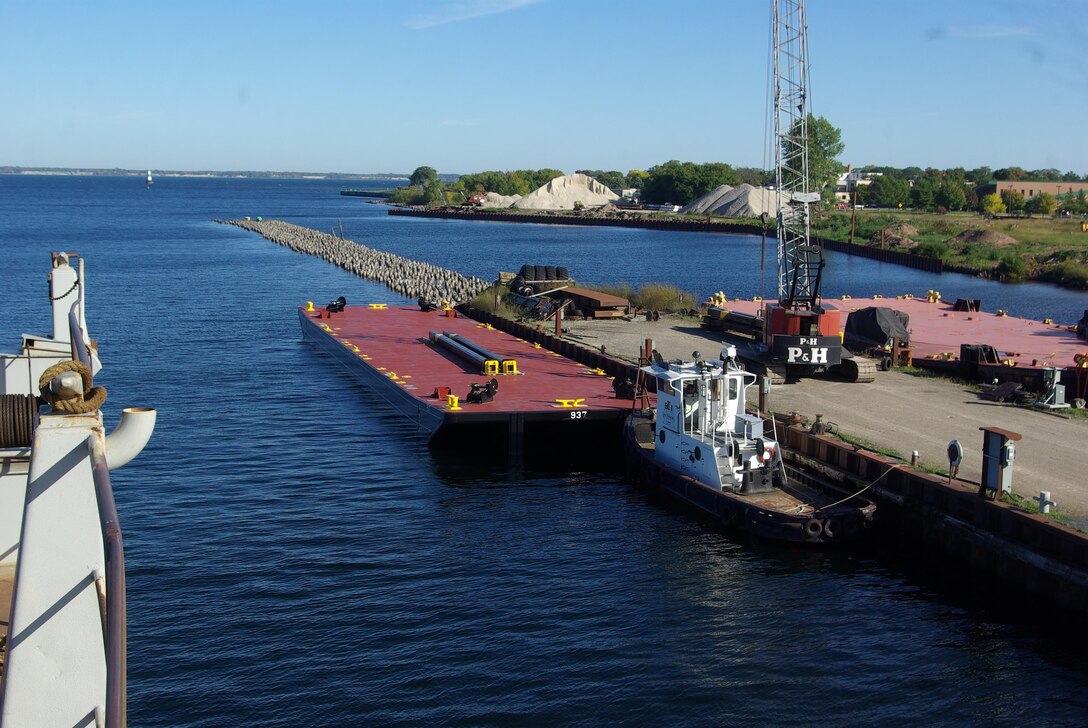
(700, 445)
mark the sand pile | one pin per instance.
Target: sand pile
(708, 202)
(562, 192)
(740, 201)
(494, 199)
(986, 237)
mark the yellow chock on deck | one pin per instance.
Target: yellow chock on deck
(391, 375)
(378, 306)
(536, 346)
(309, 306)
(509, 366)
(451, 402)
(598, 372)
(325, 327)
(491, 366)
(488, 326)
(571, 403)
(355, 348)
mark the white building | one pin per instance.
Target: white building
(849, 181)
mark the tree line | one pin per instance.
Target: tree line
(425, 187)
(954, 189)
(680, 183)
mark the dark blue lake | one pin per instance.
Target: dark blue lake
(295, 558)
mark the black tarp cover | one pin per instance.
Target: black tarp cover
(877, 325)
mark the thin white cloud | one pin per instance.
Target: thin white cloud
(459, 122)
(991, 31)
(466, 11)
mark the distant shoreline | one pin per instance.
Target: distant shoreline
(239, 174)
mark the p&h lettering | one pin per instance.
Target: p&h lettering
(815, 355)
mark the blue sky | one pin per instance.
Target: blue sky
(469, 85)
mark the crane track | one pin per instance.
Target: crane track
(858, 369)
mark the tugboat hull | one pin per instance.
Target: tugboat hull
(795, 514)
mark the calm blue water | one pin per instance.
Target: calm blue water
(296, 559)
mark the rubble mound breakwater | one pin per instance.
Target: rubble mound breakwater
(411, 278)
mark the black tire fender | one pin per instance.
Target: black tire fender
(831, 528)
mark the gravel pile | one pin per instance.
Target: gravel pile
(708, 202)
(740, 201)
(494, 199)
(562, 192)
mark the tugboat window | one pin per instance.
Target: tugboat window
(691, 405)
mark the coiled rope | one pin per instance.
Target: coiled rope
(93, 397)
(17, 419)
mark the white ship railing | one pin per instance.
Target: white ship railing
(112, 598)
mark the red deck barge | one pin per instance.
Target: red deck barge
(938, 330)
(551, 401)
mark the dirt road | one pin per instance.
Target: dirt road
(898, 411)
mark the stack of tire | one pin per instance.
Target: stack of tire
(530, 274)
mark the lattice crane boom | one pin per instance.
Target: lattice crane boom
(798, 331)
(799, 260)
